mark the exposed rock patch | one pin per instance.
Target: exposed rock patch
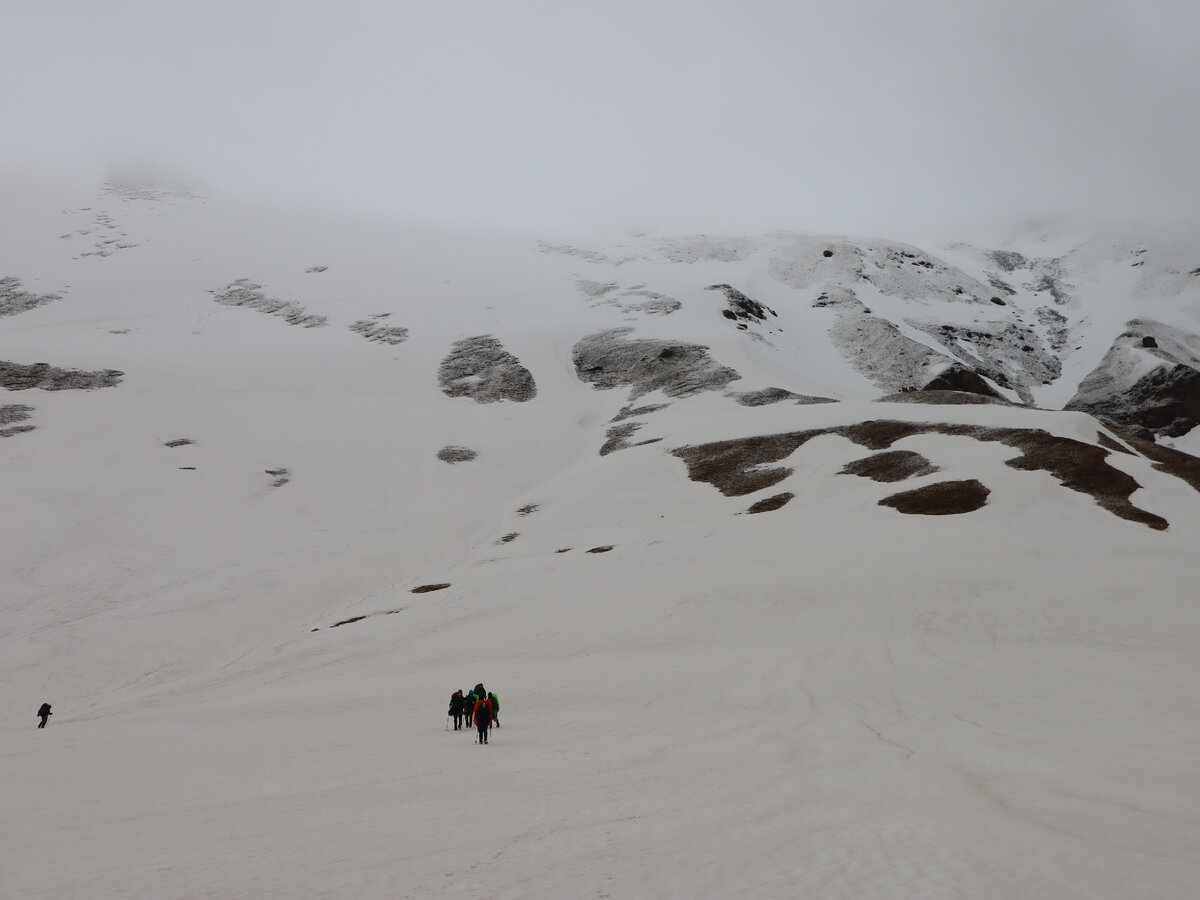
(42, 376)
(946, 498)
(480, 368)
(770, 504)
(373, 329)
(891, 466)
(426, 588)
(608, 359)
(281, 477)
(14, 300)
(741, 308)
(179, 442)
(456, 454)
(244, 292)
(603, 549)
(509, 538)
(528, 508)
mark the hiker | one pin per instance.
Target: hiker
(456, 709)
(495, 704)
(483, 720)
(479, 691)
(469, 702)
(44, 714)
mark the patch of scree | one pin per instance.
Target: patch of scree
(1010, 354)
(528, 508)
(617, 438)
(946, 498)
(18, 377)
(179, 442)
(456, 454)
(315, 270)
(246, 293)
(480, 368)
(770, 395)
(603, 549)
(770, 504)
(591, 256)
(890, 466)
(509, 538)
(14, 300)
(14, 412)
(742, 466)
(373, 329)
(608, 359)
(281, 477)
(426, 588)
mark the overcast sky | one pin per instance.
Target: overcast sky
(834, 116)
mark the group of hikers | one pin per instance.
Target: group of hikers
(478, 707)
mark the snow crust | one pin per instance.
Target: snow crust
(830, 699)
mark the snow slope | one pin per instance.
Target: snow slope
(831, 699)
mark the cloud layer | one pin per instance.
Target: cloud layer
(855, 117)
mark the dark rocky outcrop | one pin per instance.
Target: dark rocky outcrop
(770, 395)
(1147, 383)
(958, 377)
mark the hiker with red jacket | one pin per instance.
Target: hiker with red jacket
(456, 709)
(483, 720)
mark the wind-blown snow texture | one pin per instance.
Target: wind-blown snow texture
(768, 616)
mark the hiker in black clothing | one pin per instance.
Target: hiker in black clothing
(483, 720)
(479, 691)
(44, 713)
(456, 709)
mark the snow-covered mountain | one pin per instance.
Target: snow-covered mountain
(804, 565)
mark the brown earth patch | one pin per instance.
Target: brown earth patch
(946, 498)
(739, 467)
(770, 504)
(894, 465)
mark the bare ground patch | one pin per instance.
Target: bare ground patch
(770, 504)
(946, 498)
(426, 588)
(891, 466)
(742, 466)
